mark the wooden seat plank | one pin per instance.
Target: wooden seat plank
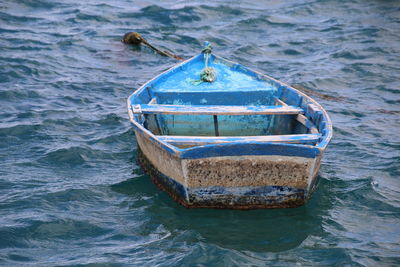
(215, 110)
(301, 118)
(203, 140)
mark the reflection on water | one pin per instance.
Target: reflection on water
(273, 230)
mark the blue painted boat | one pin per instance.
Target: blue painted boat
(243, 141)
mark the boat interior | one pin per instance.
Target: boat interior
(240, 106)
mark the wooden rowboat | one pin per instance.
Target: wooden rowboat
(243, 141)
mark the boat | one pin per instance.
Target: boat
(243, 140)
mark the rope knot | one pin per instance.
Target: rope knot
(207, 48)
(208, 74)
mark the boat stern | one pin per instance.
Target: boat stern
(233, 176)
(257, 176)
(249, 182)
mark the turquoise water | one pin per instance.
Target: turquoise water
(71, 192)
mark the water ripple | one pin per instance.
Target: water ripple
(71, 192)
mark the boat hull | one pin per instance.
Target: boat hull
(244, 141)
(234, 182)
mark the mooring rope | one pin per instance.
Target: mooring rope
(208, 74)
(135, 38)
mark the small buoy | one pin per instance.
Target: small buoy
(132, 38)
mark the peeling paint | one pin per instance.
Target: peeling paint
(225, 198)
(229, 171)
(248, 171)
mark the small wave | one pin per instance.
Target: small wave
(25, 131)
(39, 3)
(140, 186)
(14, 71)
(64, 229)
(72, 156)
(333, 28)
(82, 16)
(291, 52)
(6, 17)
(71, 192)
(352, 55)
(265, 20)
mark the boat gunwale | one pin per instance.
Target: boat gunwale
(321, 145)
(325, 141)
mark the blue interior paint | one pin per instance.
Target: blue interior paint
(291, 97)
(228, 125)
(203, 125)
(228, 79)
(249, 148)
(215, 97)
(235, 85)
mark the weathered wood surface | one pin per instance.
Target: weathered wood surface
(153, 101)
(203, 140)
(232, 172)
(301, 118)
(215, 110)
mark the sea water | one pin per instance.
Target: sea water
(71, 192)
